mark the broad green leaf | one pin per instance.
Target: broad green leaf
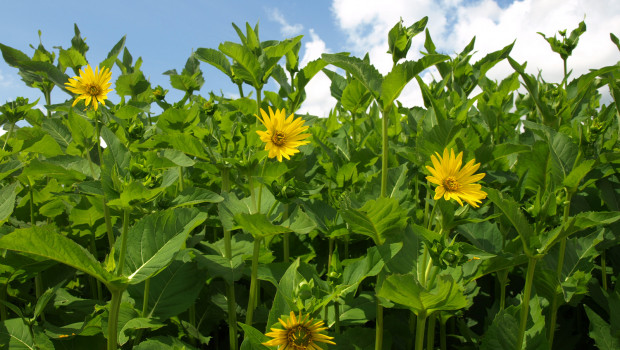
(214, 58)
(367, 74)
(172, 291)
(447, 295)
(154, 240)
(299, 222)
(71, 58)
(377, 219)
(600, 331)
(163, 343)
(253, 338)
(82, 131)
(394, 82)
(355, 97)
(218, 266)
(113, 54)
(283, 301)
(115, 155)
(514, 214)
(15, 334)
(46, 168)
(502, 334)
(575, 224)
(575, 176)
(135, 324)
(9, 167)
(185, 143)
(7, 201)
(369, 265)
(59, 131)
(44, 241)
(196, 195)
(246, 65)
(177, 157)
(134, 193)
(231, 207)
(259, 225)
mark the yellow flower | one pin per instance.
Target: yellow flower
(92, 87)
(283, 135)
(299, 333)
(454, 182)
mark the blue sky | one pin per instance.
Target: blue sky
(164, 33)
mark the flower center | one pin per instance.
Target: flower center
(299, 338)
(451, 184)
(93, 90)
(278, 138)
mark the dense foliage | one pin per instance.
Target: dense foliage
(181, 233)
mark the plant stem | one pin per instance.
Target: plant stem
(412, 328)
(240, 90)
(8, 135)
(253, 282)
(430, 337)
(379, 326)
(337, 317)
(353, 127)
(419, 330)
(106, 209)
(604, 270)
(121, 259)
(525, 303)
(230, 287)
(442, 335)
(145, 309)
(555, 302)
(502, 277)
(115, 306)
(180, 179)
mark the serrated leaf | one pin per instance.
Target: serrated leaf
(600, 331)
(7, 201)
(367, 74)
(45, 242)
(377, 219)
(154, 240)
(514, 214)
(196, 195)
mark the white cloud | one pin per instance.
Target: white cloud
(453, 23)
(319, 100)
(286, 29)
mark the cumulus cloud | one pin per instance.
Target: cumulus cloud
(319, 100)
(286, 29)
(453, 23)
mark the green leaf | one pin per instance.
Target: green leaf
(600, 331)
(246, 65)
(71, 58)
(283, 301)
(447, 295)
(363, 71)
(215, 58)
(355, 97)
(82, 131)
(253, 338)
(402, 73)
(502, 334)
(15, 334)
(219, 266)
(172, 291)
(9, 167)
(113, 54)
(299, 222)
(514, 214)
(259, 225)
(575, 224)
(377, 219)
(154, 240)
(45, 242)
(575, 176)
(195, 195)
(134, 324)
(7, 201)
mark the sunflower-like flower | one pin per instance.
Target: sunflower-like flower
(92, 87)
(283, 135)
(299, 333)
(456, 182)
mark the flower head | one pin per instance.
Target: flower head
(456, 182)
(299, 333)
(92, 87)
(283, 135)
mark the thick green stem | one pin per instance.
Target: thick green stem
(258, 103)
(240, 90)
(555, 302)
(115, 306)
(230, 287)
(379, 327)
(180, 179)
(442, 335)
(525, 303)
(604, 270)
(353, 127)
(337, 317)
(412, 324)
(38, 286)
(123, 252)
(419, 330)
(430, 336)
(253, 282)
(502, 277)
